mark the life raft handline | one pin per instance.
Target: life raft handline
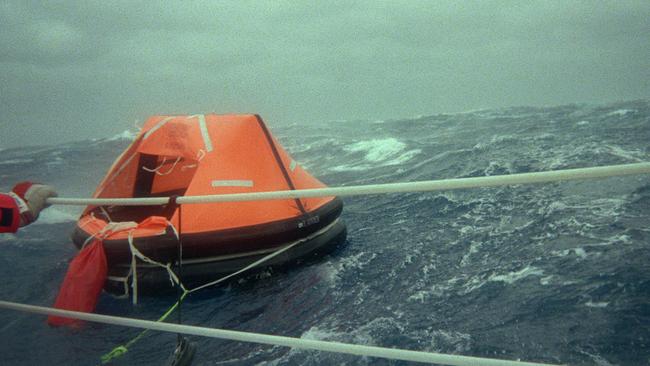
(252, 253)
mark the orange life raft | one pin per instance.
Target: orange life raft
(203, 155)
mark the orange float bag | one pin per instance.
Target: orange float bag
(82, 284)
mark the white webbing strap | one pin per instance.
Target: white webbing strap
(125, 284)
(157, 126)
(88, 240)
(137, 254)
(353, 349)
(134, 272)
(108, 230)
(204, 131)
(104, 212)
(117, 172)
(232, 183)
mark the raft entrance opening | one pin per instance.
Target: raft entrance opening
(156, 176)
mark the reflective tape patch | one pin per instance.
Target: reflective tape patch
(126, 163)
(157, 126)
(204, 132)
(232, 183)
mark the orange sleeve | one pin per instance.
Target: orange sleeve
(9, 214)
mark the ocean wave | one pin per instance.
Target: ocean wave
(333, 333)
(335, 269)
(594, 154)
(377, 332)
(377, 153)
(496, 140)
(635, 155)
(126, 135)
(419, 271)
(377, 150)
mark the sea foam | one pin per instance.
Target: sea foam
(377, 153)
(512, 277)
(124, 135)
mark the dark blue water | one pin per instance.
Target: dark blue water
(554, 273)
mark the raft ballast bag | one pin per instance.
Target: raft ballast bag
(82, 284)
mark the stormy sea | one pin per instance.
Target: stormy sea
(556, 272)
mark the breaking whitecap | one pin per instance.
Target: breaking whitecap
(377, 153)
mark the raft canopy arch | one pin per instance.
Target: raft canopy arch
(203, 155)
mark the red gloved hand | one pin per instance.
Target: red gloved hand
(31, 199)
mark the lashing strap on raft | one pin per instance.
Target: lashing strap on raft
(113, 228)
(109, 229)
(135, 253)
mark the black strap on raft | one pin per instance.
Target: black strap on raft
(278, 159)
(184, 351)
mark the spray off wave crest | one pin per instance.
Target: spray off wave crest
(374, 153)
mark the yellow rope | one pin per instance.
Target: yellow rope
(122, 349)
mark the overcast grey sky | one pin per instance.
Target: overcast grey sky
(72, 70)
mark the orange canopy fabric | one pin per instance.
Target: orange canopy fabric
(211, 154)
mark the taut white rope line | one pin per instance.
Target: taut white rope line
(423, 186)
(390, 353)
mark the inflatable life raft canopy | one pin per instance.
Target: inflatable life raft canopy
(205, 155)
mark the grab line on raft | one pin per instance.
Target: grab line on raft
(409, 187)
(337, 347)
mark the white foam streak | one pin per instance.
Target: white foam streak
(620, 112)
(596, 304)
(16, 161)
(377, 150)
(378, 153)
(513, 277)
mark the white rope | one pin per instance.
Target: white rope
(359, 350)
(136, 253)
(151, 170)
(157, 169)
(263, 259)
(423, 186)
